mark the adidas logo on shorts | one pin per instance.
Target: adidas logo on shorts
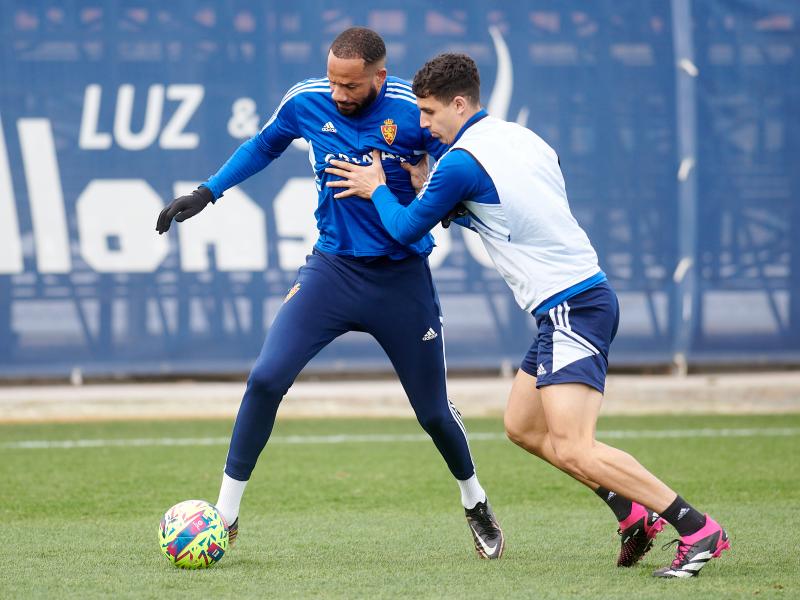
(541, 370)
(431, 334)
(329, 128)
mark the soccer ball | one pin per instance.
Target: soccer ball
(193, 535)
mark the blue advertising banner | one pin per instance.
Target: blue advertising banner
(677, 124)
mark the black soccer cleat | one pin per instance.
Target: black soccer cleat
(695, 550)
(233, 532)
(638, 532)
(486, 532)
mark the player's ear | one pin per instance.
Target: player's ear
(380, 76)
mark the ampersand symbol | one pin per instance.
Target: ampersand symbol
(244, 119)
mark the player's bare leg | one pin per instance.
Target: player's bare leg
(571, 411)
(526, 426)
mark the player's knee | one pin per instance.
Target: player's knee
(435, 423)
(516, 435)
(266, 383)
(529, 439)
(513, 431)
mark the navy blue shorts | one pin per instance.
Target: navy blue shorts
(574, 338)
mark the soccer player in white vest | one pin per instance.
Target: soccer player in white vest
(504, 182)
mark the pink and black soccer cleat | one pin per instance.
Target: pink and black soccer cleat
(638, 532)
(695, 550)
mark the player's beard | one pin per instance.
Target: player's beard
(353, 109)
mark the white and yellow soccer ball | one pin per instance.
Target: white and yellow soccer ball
(193, 535)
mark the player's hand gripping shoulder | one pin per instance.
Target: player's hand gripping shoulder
(184, 208)
(359, 180)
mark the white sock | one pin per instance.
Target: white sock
(471, 491)
(230, 496)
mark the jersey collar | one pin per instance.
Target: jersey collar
(472, 120)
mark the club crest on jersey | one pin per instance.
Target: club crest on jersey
(389, 131)
(291, 293)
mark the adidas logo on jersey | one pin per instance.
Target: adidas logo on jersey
(329, 128)
(541, 371)
(430, 335)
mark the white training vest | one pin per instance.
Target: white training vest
(532, 237)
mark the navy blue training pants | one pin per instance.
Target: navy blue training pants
(395, 301)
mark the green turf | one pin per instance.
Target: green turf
(375, 520)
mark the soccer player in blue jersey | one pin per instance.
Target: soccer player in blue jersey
(510, 184)
(358, 278)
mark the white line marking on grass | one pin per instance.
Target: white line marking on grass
(702, 433)
(388, 438)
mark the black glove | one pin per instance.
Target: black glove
(184, 207)
(459, 210)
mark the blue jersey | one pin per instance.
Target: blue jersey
(389, 124)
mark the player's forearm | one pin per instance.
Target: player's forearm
(248, 160)
(404, 223)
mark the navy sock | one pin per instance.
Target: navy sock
(683, 517)
(619, 505)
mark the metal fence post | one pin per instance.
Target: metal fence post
(685, 297)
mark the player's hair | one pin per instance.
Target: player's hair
(359, 42)
(447, 76)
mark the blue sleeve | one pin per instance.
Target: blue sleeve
(456, 177)
(257, 152)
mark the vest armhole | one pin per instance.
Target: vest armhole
(485, 172)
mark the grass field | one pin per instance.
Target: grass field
(375, 519)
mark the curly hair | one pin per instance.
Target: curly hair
(447, 76)
(359, 42)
